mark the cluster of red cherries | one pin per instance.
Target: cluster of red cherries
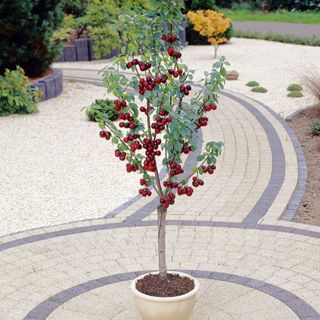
(175, 73)
(196, 182)
(161, 121)
(186, 149)
(175, 169)
(209, 169)
(151, 146)
(145, 192)
(174, 53)
(143, 66)
(120, 155)
(132, 167)
(167, 200)
(202, 122)
(168, 38)
(209, 107)
(149, 83)
(105, 134)
(185, 89)
(119, 104)
(128, 125)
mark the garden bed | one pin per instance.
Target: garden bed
(308, 211)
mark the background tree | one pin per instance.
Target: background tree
(210, 24)
(26, 28)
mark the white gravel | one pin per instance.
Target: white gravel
(54, 166)
(274, 65)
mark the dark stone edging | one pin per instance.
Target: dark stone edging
(302, 309)
(189, 223)
(82, 50)
(50, 86)
(297, 196)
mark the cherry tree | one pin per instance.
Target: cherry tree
(160, 110)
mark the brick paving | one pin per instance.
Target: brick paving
(252, 263)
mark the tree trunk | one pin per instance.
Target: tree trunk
(216, 51)
(162, 212)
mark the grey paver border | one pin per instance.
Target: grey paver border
(98, 227)
(302, 309)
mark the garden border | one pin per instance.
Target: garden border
(51, 86)
(82, 49)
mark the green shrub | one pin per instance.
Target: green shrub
(203, 5)
(102, 107)
(68, 26)
(294, 87)
(270, 36)
(102, 22)
(76, 8)
(259, 89)
(295, 94)
(252, 84)
(315, 127)
(16, 96)
(26, 28)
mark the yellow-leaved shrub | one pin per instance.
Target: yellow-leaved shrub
(210, 24)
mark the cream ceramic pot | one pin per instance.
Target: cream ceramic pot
(168, 308)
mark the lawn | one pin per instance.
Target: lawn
(310, 17)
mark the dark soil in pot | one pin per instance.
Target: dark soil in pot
(175, 286)
(309, 209)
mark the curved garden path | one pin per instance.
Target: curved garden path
(236, 235)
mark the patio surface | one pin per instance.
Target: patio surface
(235, 234)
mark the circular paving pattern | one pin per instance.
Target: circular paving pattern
(221, 296)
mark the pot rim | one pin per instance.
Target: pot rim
(165, 299)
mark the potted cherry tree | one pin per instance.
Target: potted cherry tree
(159, 118)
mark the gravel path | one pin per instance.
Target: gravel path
(274, 65)
(56, 169)
(285, 28)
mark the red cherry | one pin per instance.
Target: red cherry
(102, 134)
(170, 51)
